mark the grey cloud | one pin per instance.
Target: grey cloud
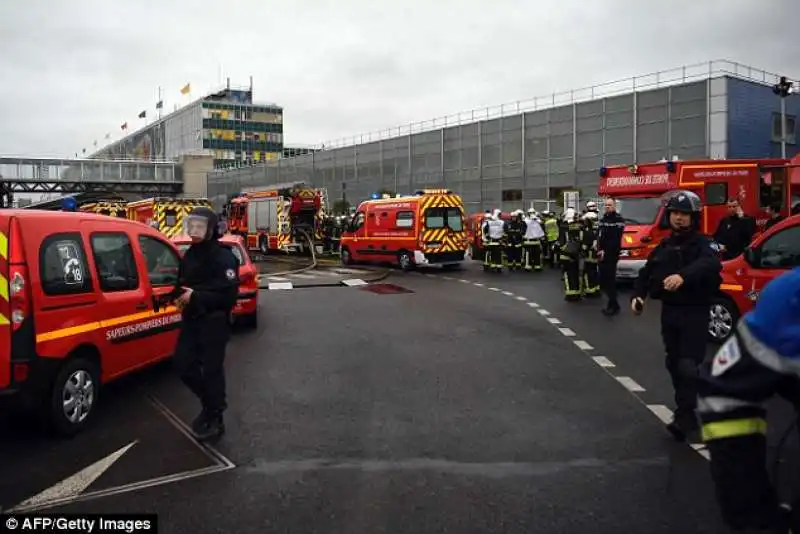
(76, 70)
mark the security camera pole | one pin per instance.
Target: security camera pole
(783, 89)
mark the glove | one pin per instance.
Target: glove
(637, 305)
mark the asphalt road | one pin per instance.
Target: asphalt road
(449, 407)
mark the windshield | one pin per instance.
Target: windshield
(444, 218)
(237, 251)
(638, 210)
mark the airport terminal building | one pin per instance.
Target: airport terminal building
(517, 154)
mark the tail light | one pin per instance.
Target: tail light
(19, 295)
(247, 279)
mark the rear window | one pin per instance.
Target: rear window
(171, 218)
(444, 218)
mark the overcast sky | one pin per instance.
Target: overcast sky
(76, 70)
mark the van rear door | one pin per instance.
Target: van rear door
(5, 308)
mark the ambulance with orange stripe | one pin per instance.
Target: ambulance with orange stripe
(426, 228)
(79, 296)
(637, 190)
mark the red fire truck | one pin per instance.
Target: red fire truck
(638, 190)
(277, 218)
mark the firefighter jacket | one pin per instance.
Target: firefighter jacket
(551, 229)
(533, 229)
(609, 240)
(589, 242)
(494, 229)
(761, 360)
(571, 239)
(514, 232)
(692, 257)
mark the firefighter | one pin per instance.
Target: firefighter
(591, 276)
(551, 231)
(515, 230)
(683, 271)
(591, 207)
(532, 241)
(206, 292)
(761, 360)
(493, 232)
(569, 252)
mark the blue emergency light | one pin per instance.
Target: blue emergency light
(603, 172)
(69, 204)
(670, 166)
(375, 196)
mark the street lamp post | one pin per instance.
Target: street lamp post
(783, 89)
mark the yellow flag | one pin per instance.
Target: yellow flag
(186, 89)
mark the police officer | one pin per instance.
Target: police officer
(532, 242)
(493, 231)
(570, 243)
(760, 360)
(551, 231)
(591, 277)
(515, 230)
(609, 244)
(683, 271)
(208, 286)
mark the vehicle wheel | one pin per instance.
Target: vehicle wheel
(345, 257)
(722, 318)
(74, 396)
(249, 321)
(263, 246)
(404, 260)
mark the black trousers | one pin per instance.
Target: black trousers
(684, 330)
(200, 358)
(608, 281)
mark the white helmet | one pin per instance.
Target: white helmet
(590, 216)
(591, 205)
(532, 213)
(569, 214)
(496, 214)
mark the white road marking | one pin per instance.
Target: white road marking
(700, 449)
(280, 285)
(533, 304)
(447, 277)
(567, 332)
(522, 299)
(494, 289)
(630, 384)
(463, 280)
(582, 344)
(602, 361)
(354, 282)
(476, 284)
(508, 293)
(74, 485)
(542, 311)
(553, 320)
(662, 412)
(277, 279)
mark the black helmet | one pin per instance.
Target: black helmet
(682, 201)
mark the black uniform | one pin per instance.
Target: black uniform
(590, 279)
(761, 360)
(211, 271)
(684, 312)
(515, 229)
(570, 241)
(609, 241)
(735, 233)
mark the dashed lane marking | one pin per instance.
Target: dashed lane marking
(663, 413)
(277, 279)
(280, 285)
(630, 384)
(464, 281)
(602, 361)
(521, 298)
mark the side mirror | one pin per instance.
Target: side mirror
(752, 256)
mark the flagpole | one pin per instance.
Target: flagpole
(159, 100)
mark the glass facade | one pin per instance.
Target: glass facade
(507, 162)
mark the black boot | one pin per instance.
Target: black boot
(199, 421)
(212, 427)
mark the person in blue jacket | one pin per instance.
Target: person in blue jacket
(760, 360)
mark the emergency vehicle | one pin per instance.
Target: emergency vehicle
(475, 249)
(278, 218)
(112, 208)
(79, 307)
(165, 214)
(246, 310)
(769, 255)
(637, 190)
(426, 228)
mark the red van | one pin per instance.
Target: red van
(769, 255)
(78, 296)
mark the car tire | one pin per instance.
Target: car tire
(723, 315)
(405, 261)
(345, 257)
(80, 379)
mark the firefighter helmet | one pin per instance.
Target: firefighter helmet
(591, 205)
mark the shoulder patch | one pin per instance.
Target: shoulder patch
(727, 356)
(231, 274)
